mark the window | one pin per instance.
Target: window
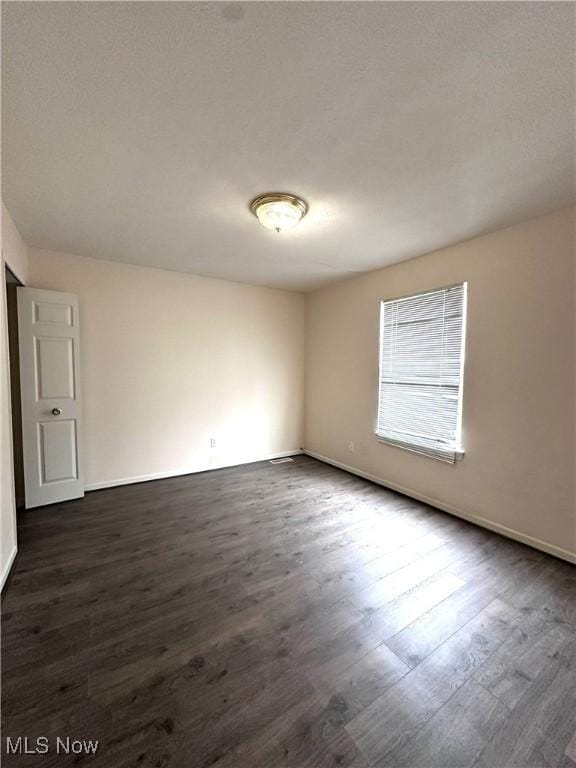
(421, 364)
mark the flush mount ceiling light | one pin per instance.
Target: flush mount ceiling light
(279, 211)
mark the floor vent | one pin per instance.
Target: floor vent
(280, 461)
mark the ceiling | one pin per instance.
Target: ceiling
(139, 132)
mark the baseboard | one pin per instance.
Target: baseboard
(186, 471)
(510, 533)
(7, 567)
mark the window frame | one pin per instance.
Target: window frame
(459, 451)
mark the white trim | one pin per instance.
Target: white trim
(8, 567)
(186, 471)
(510, 533)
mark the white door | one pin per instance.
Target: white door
(49, 337)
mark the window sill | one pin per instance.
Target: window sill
(414, 448)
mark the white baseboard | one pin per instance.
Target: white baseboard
(544, 546)
(7, 567)
(185, 471)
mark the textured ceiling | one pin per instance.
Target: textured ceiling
(139, 132)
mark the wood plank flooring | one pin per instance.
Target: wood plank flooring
(287, 616)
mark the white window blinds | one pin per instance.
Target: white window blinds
(421, 363)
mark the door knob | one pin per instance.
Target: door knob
(56, 411)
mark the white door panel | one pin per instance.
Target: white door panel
(56, 314)
(57, 443)
(51, 406)
(54, 368)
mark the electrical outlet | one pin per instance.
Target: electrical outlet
(212, 442)
(351, 447)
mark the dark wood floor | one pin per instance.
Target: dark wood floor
(284, 616)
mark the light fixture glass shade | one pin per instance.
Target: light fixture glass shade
(278, 211)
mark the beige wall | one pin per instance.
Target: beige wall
(14, 249)
(14, 253)
(171, 360)
(518, 422)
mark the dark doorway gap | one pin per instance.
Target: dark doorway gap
(11, 284)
